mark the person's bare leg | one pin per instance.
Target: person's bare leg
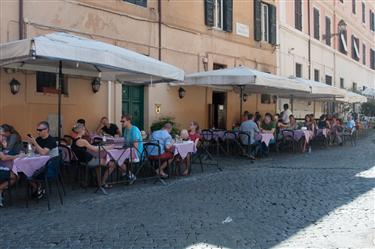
(111, 167)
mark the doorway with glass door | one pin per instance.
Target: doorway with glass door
(133, 104)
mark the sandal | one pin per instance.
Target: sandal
(107, 186)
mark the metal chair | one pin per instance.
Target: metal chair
(49, 173)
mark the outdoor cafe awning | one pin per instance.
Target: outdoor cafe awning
(369, 92)
(85, 57)
(250, 80)
(321, 90)
(353, 98)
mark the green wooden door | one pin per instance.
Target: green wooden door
(132, 103)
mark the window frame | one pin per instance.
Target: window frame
(52, 89)
(363, 12)
(342, 83)
(354, 7)
(364, 62)
(330, 79)
(265, 24)
(355, 42)
(135, 2)
(317, 73)
(301, 16)
(316, 32)
(216, 15)
(298, 66)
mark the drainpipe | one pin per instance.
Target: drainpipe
(21, 25)
(159, 24)
(309, 32)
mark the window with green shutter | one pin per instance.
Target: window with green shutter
(257, 20)
(228, 15)
(316, 24)
(272, 24)
(209, 12)
(219, 14)
(298, 14)
(328, 31)
(364, 54)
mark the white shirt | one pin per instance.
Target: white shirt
(285, 116)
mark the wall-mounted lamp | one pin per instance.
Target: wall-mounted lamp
(181, 92)
(244, 97)
(95, 84)
(14, 86)
(205, 63)
(158, 108)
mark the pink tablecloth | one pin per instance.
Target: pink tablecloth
(323, 132)
(183, 149)
(298, 134)
(110, 140)
(28, 165)
(121, 155)
(265, 138)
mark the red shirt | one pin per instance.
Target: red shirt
(194, 136)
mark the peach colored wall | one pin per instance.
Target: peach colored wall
(25, 109)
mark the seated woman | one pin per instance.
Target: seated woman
(292, 123)
(82, 149)
(309, 124)
(268, 125)
(13, 142)
(279, 127)
(184, 136)
(6, 175)
(336, 131)
(194, 134)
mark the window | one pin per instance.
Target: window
(219, 14)
(355, 48)
(264, 22)
(353, 6)
(328, 31)
(316, 75)
(364, 54)
(329, 80)
(363, 12)
(342, 85)
(372, 59)
(354, 87)
(372, 20)
(142, 3)
(298, 70)
(265, 99)
(316, 24)
(342, 42)
(48, 83)
(217, 66)
(342, 1)
(298, 14)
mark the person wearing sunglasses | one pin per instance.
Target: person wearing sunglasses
(44, 144)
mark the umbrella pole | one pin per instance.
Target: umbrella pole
(292, 103)
(241, 99)
(59, 101)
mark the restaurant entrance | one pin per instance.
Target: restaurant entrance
(132, 103)
(217, 110)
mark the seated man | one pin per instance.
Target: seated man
(350, 125)
(106, 128)
(251, 128)
(132, 138)
(44, 145)
(166, 149)
(6, 175)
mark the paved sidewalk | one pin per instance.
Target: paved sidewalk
(320, 200)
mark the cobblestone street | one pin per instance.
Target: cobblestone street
(320, 200)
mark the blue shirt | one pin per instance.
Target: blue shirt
(251, 128)
(164, 139)
(134, 135)
(350, 124)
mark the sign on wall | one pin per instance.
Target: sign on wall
(242, 30)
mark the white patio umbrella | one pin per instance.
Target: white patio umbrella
(248, 80)
(353, 98)
(369, 92)
(64, 53)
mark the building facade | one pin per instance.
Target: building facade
(193, 35)
(313, 47)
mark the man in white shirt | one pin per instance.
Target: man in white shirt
(285, 114)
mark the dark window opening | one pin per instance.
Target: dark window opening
(142, 3)
(47, 83)
(298, 70)
(329, 80)
(316, 75)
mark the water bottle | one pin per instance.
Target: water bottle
(29, 150)
(104, 139)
